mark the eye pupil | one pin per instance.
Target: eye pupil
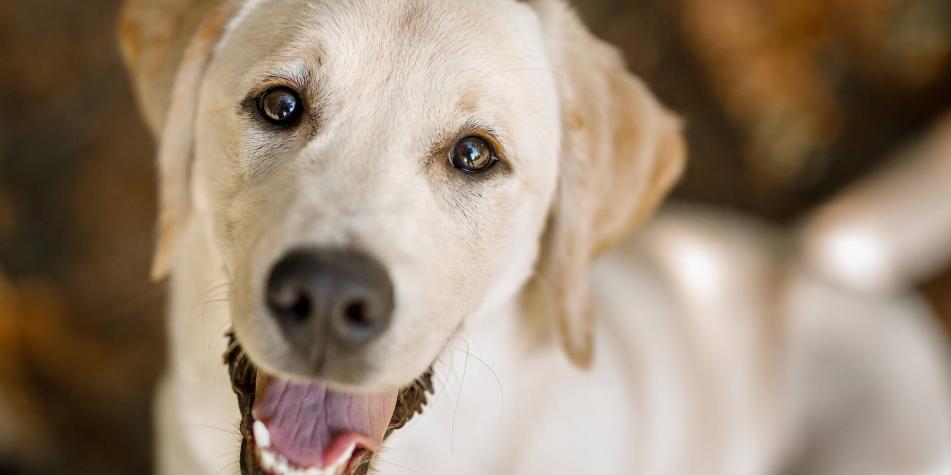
(473, 155)
(280, 106)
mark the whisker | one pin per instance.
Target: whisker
(136, 303)
(498, 381)
(219, 429)
(452, 430)
(234, 455)
(443, 382)
(393, 464)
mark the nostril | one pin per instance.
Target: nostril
(355, 314)
(292, 305)
(357, 321)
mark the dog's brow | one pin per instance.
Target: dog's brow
(474, 125)
(298, 75)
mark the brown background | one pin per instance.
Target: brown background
(786, 102)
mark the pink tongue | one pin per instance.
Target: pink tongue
(312, 426)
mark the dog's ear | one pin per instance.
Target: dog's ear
(184, 71)
(621, 153)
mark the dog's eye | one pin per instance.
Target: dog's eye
(280, 106)
(473, 155)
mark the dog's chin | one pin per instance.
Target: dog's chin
(309, 428)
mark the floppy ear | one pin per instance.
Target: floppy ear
(621, 153)
(177, 121)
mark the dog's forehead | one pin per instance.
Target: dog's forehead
(365, 43)
(411, 30)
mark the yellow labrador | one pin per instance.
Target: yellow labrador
(391, 201)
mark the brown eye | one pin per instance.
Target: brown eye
(473, 155)
(280, 106)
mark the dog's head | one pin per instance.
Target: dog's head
(373, 173)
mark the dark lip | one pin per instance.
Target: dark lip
(410, 401)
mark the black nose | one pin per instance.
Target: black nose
(342, 296)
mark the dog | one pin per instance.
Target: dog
(418, 218)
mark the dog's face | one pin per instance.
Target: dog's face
(407, 148)
(374, 173)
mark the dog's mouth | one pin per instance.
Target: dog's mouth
(290, 428)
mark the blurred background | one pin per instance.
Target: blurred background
(786, 103)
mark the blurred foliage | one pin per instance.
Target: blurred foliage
(785, 101)
(80, 321)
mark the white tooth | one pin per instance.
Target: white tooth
(268, 459)
(262, 436)
(281, 465)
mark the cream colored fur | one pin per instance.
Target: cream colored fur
(692, 348)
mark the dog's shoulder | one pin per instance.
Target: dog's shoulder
(866, 382)
(841, 374)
